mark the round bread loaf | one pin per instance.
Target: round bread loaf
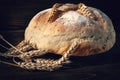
(56, 28)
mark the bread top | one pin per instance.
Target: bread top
(69, 22)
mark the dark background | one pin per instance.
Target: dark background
(14, 18)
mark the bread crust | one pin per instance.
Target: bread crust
(94, 35)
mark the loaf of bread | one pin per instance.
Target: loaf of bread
(56, 28)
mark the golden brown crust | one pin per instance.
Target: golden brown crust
(95, 35)
(86, 50)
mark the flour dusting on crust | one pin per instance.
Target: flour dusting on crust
(73, 18)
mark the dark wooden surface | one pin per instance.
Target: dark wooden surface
(14, 18)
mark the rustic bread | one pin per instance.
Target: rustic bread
(55, 29)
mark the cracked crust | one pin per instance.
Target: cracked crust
(68, 30)
(91, 27)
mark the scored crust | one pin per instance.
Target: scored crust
(94, 35)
